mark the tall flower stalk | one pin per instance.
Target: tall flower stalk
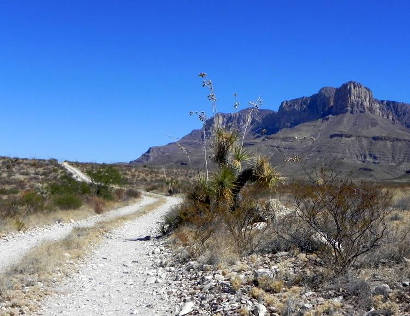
(207, 83)
(202, 117)
(255, 105)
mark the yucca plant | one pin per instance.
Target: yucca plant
(222, 185)
(230, 156)
(239, 157)
(215, 199)
(224, 141)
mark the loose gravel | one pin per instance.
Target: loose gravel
(120, 276)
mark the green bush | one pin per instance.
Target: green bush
(67, 184)
(32, 201)
(4, 191)
(67, 201)
(106, 176)
(104, 192)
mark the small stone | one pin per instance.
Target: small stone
(307, 294)
(260, 310)
(150, 280)
(383, 289)
(207, 287)
(187, 308)
(263, 273)
(192, 265)
(307, 306)
(219, 277)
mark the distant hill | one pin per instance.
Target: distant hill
(346, 127)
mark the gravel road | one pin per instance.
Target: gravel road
(15, 245)
(119, 277)
(76, 173)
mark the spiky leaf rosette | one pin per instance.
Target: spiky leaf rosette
(263, 172)
(240, 155)
(223, 142)
(223, 184)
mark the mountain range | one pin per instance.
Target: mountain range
(345, 128)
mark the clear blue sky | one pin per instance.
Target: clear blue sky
(104, 80)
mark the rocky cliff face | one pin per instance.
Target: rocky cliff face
(346, 123)
(351, 97)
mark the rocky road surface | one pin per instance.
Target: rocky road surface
(120, 277)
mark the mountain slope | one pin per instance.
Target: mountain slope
(346, 125)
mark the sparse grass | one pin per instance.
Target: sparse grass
(52, 261)
(47, 218)
(270, 284)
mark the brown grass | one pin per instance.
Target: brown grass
(23, 286)
(46, 218)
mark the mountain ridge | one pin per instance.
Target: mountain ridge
(351, 110)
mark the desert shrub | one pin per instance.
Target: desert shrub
(153, 187)
(32, 202)
(348, 218)
(245, 224)
(395, 245)
(119, 194)
(104, 192)
(132, 193)
(19, 224)
(217, 204)
(353, 288)
(290, 231)
(67, 184)
(172, 220)
(67, 201)
(107, 175)
(9, 207)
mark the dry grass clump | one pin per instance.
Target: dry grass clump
(98, 204)
(400, 195)
(269, 284)
(236, 282)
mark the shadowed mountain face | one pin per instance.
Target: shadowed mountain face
(343, 126)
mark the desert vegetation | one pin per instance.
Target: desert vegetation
(343, 240)
(148, 178)
(33, 191)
